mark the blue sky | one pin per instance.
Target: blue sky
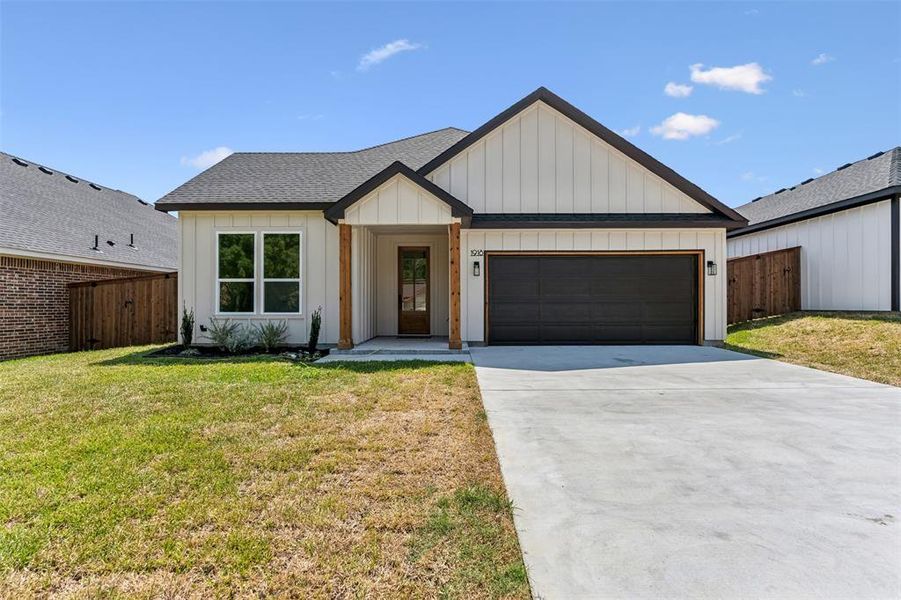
(131, 95)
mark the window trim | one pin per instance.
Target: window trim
(298, 279)
(218, 311)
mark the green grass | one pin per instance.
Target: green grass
(121, 475)
(865, 345)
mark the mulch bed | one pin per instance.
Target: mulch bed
(212, 352)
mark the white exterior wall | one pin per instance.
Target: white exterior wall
(319, 267)
(845, 257)
(542, 162)
(364, 269)
(398, 202)
(472, 291)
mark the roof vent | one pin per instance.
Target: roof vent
(778, 191)
(142, 202)
(844, 166)
(806, 181)
(111, 242)
(877, 155)
(45, 170)
(95, 186)
(757, 198)
(131, 242)
(20, 162)
(72, 179)
(96, 246)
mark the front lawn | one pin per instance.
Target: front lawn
(121, 475)
(865, 345)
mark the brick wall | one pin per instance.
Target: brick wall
(34, 303)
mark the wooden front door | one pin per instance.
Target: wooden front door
(414, 312)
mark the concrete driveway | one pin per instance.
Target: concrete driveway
(695, 472)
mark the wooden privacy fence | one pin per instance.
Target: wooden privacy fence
(764, 284)
(123, 312)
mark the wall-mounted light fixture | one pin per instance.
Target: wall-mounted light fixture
(476, 269)
(711, 267)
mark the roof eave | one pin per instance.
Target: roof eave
(242, 206)
(819, 211)
(336, 211)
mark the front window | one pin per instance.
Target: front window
(281, 273)
(236, 272)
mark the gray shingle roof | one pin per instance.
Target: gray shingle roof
(872, 174)
(43, 210)
(302, 177)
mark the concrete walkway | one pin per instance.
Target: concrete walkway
(694, 472)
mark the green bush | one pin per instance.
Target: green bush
(271, 334)
(187, 326)
(231, 337)
(315, 323)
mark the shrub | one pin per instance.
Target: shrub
(231, 337)
(271, 334)
(315, 322)
(187, 326)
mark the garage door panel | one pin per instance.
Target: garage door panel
(612, 299)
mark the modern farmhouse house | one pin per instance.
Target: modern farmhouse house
(847, 225)
(541, 226)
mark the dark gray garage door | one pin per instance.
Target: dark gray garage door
(612, 299)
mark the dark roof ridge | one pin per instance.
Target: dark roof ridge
(366, 149)
(895, 170)
(69, 176)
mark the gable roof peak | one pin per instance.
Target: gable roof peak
(590, 124)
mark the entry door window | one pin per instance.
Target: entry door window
(415, 284)
(413, 291)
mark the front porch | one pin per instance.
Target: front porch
(399, 283)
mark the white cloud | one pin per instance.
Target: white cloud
(799, 93)
(207, 158)
(821, 59)
(310, 117)
(818, 171)
(742, 78)
(752, 12)
(752, 176)
(682, 126)
(378, 55)
(677, 90)
(630, 131)
(729, 139)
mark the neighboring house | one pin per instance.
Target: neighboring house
(541, 226)
(57, 229)
(847, 224)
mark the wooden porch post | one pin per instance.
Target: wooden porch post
(345, 316)
(453, 234)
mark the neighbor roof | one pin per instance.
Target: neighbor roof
(850, 185)
(302, 180)
(46, 211)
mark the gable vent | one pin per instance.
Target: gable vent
(72, 179)
(877, 155)
(845, 166)
(95, 186)
(20, 162)
(45, 170)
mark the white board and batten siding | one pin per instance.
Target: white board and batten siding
(398, 202)
(319, 273)
(845, 257)
(711, 241)
(540, 161)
